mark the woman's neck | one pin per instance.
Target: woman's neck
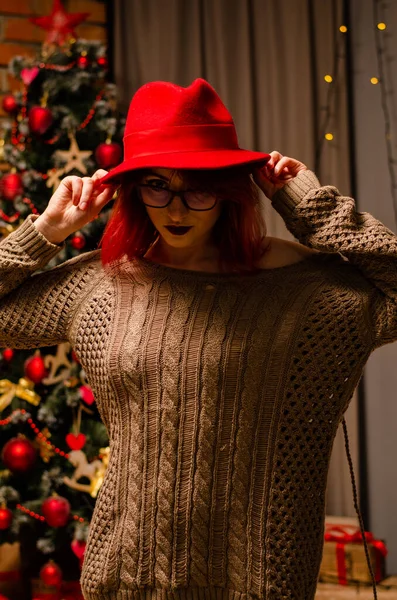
(200, 258)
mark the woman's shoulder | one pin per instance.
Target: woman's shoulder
(281, 253)
(86, 260)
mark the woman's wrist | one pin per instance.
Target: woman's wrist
(52, 234)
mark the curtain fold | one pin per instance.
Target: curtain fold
(267, 60)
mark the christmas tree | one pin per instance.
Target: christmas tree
(53, 447)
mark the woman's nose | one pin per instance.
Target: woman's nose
(177, 209)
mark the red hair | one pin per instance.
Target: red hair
(239, 232)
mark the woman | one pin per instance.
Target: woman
(222, 361)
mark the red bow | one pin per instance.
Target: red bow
(352, 535)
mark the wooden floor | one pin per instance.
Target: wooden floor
(326, 591)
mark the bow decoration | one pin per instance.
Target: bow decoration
(23, 390)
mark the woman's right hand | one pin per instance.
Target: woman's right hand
(276, 173)
(76, 202)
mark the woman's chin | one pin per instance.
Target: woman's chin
(178, 241)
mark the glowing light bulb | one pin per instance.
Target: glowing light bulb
(343, 28)
(381, 26)
(328, 78)
(374, 80)
(329, 137)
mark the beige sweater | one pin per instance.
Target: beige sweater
(221, 393)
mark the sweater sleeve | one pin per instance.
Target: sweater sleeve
(35, 309)
(323, 219)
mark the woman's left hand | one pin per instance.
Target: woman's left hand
(276, 173)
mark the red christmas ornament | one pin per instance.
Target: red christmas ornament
(83, 62)
(8, 354)
(40, 119)
(51, 574)
(78, 547)
(103, 62)
(78, 241)
(59, 24)
(6, 517)
(10, 104)
(108, 155)
(18, 455)
(11, 186)
(86, 394)
(56, 511)
(29, 75)
(75, 442)
(35, 369)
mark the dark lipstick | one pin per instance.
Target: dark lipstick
(177, 230)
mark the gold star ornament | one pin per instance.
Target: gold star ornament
(74, 157)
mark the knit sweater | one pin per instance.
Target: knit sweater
(221, 393)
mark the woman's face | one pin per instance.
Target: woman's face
(195, 226)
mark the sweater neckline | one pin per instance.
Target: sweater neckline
(305, 263)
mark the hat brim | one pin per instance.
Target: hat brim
(222, 159)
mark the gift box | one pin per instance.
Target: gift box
(11, 581)
(390, 582)
(344, 560)
(69, 590)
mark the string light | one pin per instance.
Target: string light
(32, 207)
(374, 80)
(8, 419)
(35, 515)
(16, 137)
(36, 430)
(41, 436)
(29, 512)
(58, 68)
(91, 112)
(386, 96)
(327, 115)
(79, 519)
(53, 140)
(84, 123)
(8, 219)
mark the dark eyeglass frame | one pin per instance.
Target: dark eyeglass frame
(172, 194)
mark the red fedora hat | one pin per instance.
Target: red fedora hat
(178, 127)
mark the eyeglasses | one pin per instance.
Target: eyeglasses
(160, 197)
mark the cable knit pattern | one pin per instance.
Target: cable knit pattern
(221, 393)
(202, 481)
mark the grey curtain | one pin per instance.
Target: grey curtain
(267, 59)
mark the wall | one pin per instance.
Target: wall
(374, 196)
